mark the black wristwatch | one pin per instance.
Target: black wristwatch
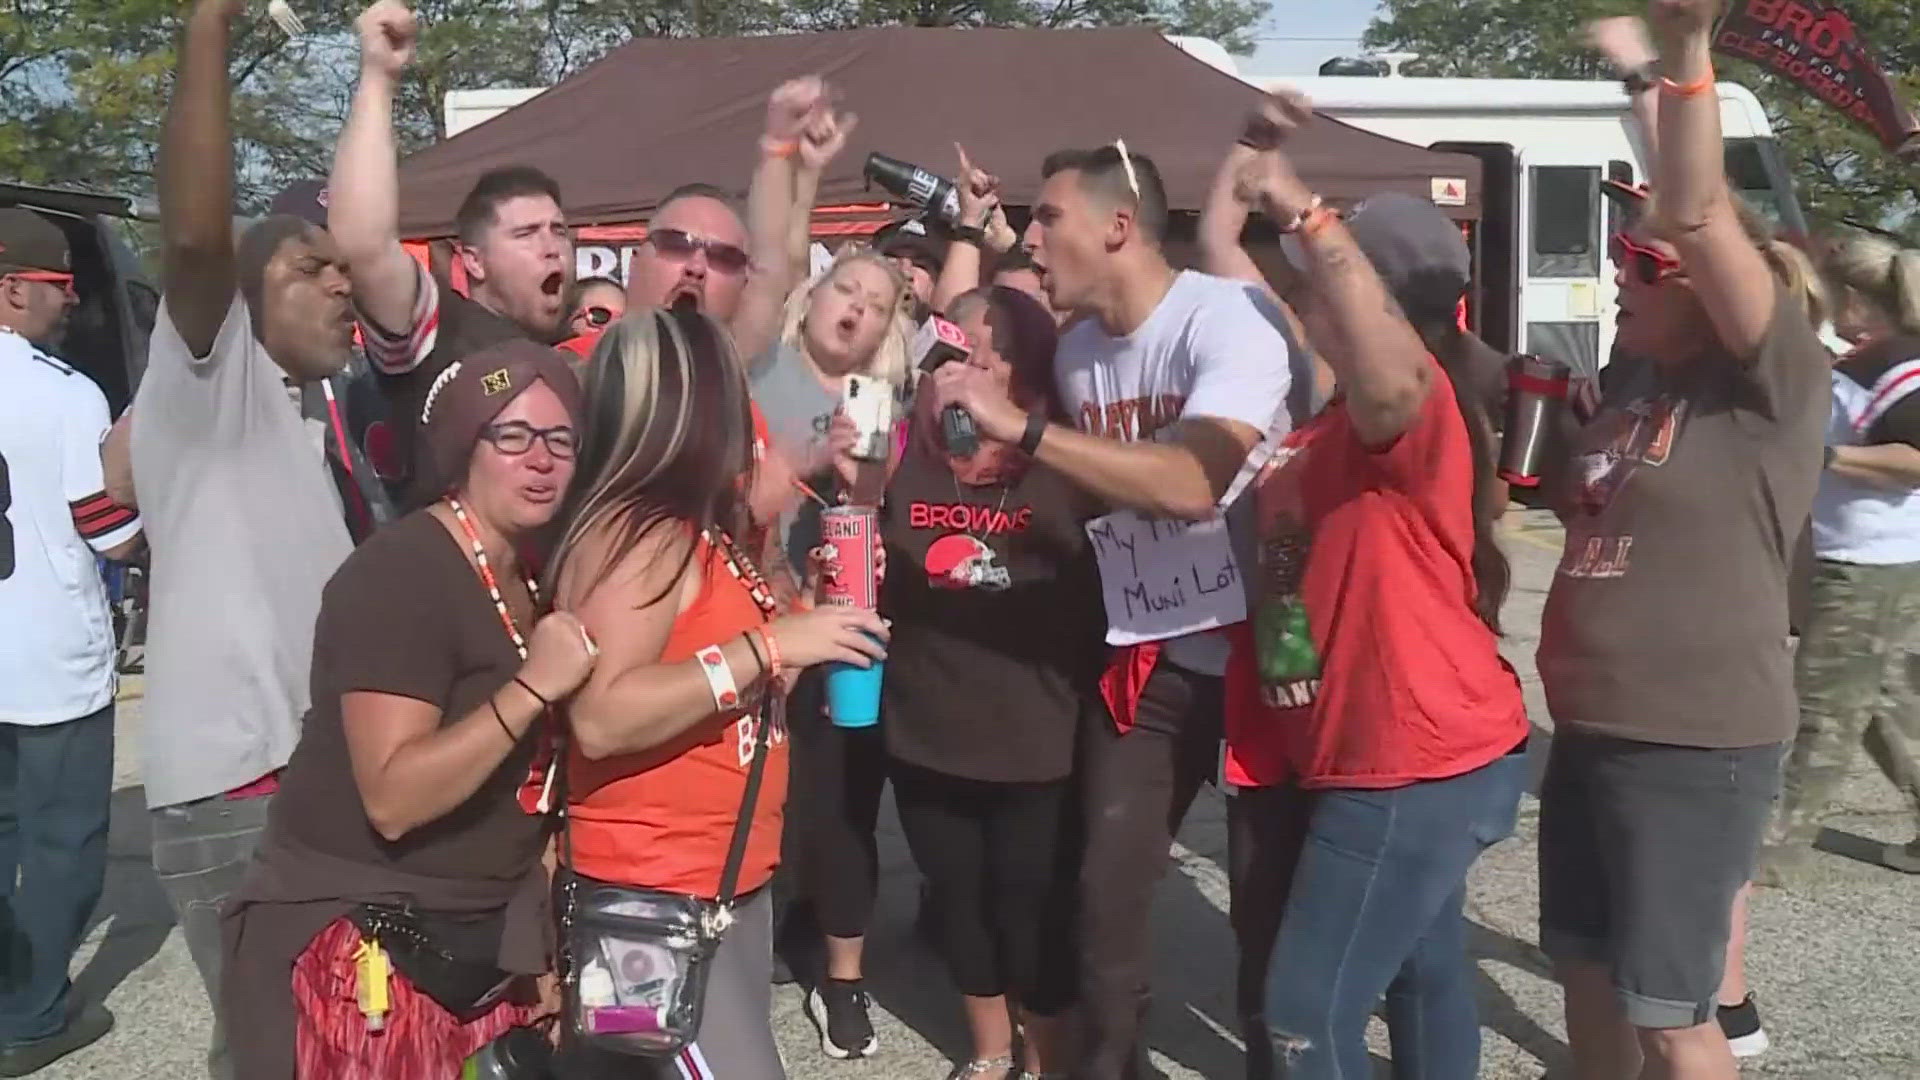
(1639, 81)
(1036, 430)
(970, 234)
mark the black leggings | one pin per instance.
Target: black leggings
(835, 779)
(1002, 863)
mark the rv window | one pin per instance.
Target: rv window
(1759, 176)
(1574, 343)
(1620, 172)
(1566, 222)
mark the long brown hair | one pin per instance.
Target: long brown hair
(668, 439)
(1492, 573)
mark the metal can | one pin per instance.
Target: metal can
(1536, 393)
(852, 580)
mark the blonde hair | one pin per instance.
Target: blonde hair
(1790, 265)
(890, 360)
(1882, 273)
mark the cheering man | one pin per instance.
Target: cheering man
(244, 524)
(1173, 380)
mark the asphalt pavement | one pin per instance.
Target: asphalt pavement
(1835, 962)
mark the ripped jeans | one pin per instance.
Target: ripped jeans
(1376, 910)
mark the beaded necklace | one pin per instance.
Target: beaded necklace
(485, 569)
(744, 572)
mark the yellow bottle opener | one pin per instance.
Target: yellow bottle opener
(371, 970)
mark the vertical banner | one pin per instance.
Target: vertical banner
(1816, 45)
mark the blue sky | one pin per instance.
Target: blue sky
(1299, 35)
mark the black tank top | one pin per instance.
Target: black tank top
(997, 623)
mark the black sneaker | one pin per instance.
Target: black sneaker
(1741, 1025)
(84, 1027)
(838, 1007)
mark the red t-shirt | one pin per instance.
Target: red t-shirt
(1364, 665)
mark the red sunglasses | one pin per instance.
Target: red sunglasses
(1650, 265)
(64, 282)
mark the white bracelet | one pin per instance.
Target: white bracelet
(713, 664)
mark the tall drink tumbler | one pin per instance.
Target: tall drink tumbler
(853, 693)
(1536, 393)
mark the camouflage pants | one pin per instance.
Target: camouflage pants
(1858, 674)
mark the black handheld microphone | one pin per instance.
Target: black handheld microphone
(940, 342)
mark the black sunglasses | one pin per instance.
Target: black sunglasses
(677, 244)
(515, 437)
(598, 316)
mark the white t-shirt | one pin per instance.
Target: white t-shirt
(56, 636)
(1213, 347)
(1856, 522)
(245, 528)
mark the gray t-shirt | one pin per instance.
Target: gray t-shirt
(798, 411)
(1667, 618)
(245, 530)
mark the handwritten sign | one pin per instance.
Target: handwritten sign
(1165, 579)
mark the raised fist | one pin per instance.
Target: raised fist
(792, 106)
(824, 136)
(388, 34)
(1623, 40)
(1684, 18)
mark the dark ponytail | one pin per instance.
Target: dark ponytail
(1491, 573)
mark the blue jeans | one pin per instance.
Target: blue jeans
(1375, 910)
(55, 785)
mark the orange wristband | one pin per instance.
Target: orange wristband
(1687, 90)
(780, 148)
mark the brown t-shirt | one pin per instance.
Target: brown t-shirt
(407, 615)
(1667, 617)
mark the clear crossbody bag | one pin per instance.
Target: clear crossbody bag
(636, 960)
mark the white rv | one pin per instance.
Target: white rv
(1544, 283)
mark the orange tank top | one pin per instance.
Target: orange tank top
(663, 819)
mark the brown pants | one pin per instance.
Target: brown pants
(1138, 787)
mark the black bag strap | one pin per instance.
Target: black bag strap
(773, 705)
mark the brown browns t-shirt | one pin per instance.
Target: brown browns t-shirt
(1667, 618)
(407, 615)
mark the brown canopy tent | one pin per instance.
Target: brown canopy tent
(655, 114)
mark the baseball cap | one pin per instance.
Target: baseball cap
(1417, 250)
(910, 239)
(304, 199)
(30, 242)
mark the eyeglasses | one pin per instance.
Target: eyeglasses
(597, 316)
(63, 282)
(515, 437)
(676, 244)
(1650, 265)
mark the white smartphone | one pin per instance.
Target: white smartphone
(868, 402)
